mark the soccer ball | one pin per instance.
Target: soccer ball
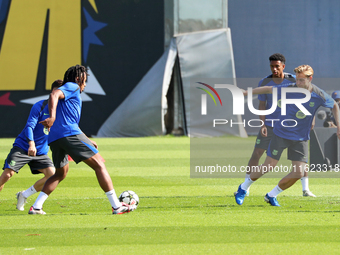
(129, 197)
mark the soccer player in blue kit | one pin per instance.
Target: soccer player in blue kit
(278, 77)
(66, 138)
(30, 147)
(294, 135)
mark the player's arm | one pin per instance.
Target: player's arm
(93, 142)
(262, 106)
(30, 126)
(260, 90)
(313, 123)
(32, 150)
(53, 100)
(335, 111)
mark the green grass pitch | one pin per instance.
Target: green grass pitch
(177, 214)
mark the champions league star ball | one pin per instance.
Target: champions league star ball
(129, 197)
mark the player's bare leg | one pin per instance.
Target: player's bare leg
(48, 188)
(48, 172)
(298, 170)
(36, 187)
(105, 183)
(103, 176)
(53, 181)
(257, 173)
(5, 176)
(255, 158)
(268, 165)
(253, 163)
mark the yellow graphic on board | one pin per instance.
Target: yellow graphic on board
(93, 4)
(23, 38)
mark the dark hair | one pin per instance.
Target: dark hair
(75, 72)
(278, 57)
(56, 84)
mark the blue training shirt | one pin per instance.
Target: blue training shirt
(299, 129)
(268, 81)
(33, 131)
(68, 113)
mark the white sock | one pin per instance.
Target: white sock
(111, 195)
(277, 190)
(29, 192)
(247, 176)
(247, 183)
(305, 184)
(40, 200)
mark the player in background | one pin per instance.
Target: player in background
(294, 137)
(327, 115)
(30, 147)
(66, 138)
(336, 96)
(278, 77)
